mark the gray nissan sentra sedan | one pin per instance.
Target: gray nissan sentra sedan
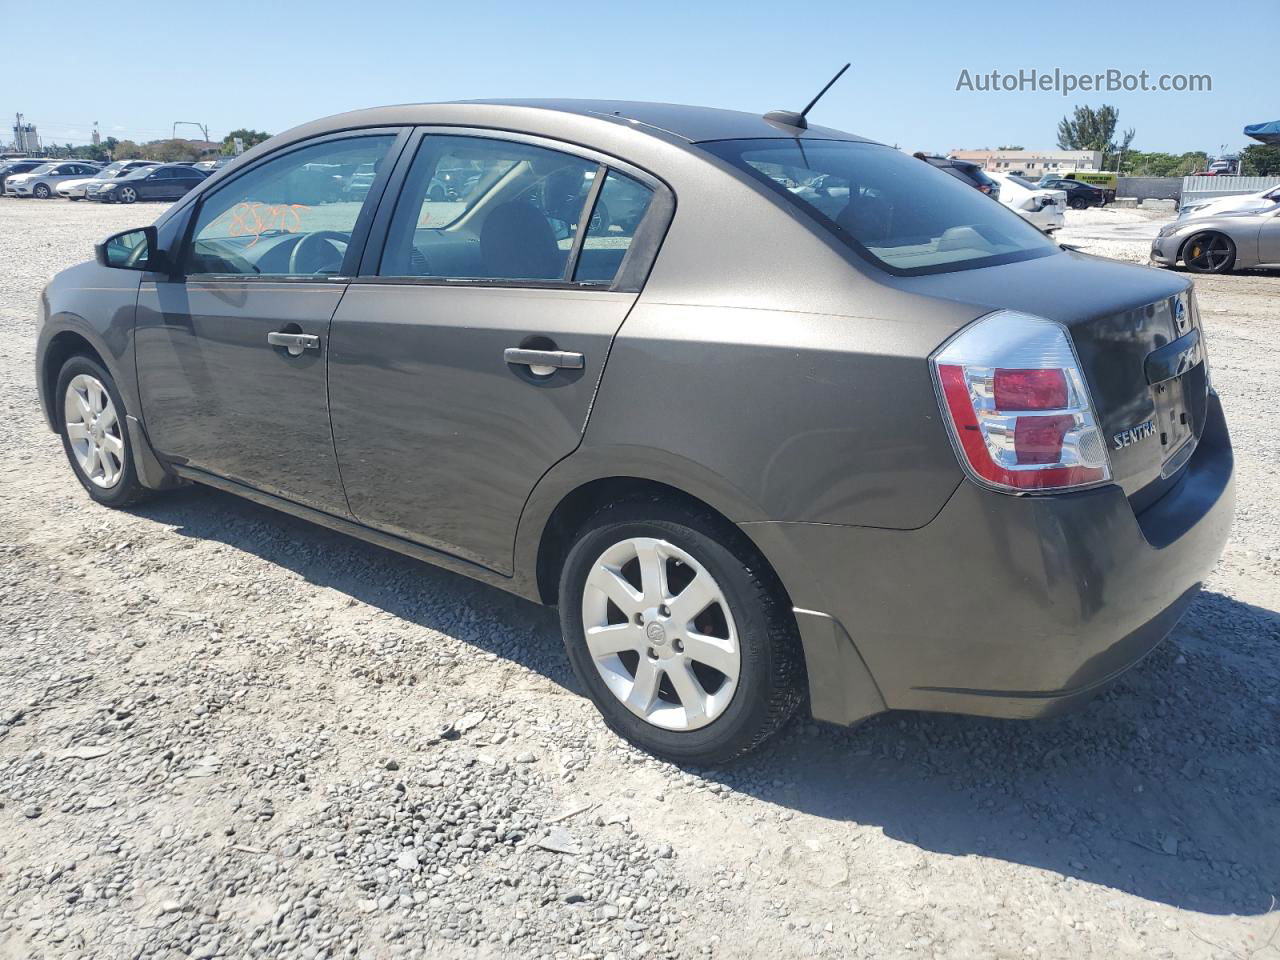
(875, 445)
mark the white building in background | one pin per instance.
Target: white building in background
(1033, 162)
(25, 138)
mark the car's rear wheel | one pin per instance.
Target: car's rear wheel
(41, 191)
(1078, 203)
(127, 195)
(680, 636)
(95, 437)
(1209, 253)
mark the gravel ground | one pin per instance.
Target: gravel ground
(226, 733)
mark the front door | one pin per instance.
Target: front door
(232, 352)
(463, 362)
(1269, 238)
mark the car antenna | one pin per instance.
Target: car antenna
(797, 120)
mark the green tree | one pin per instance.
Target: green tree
(1090, 129)
(251, 138)
(1260, 160)
(1139, 164)
(1012, 147)
(127, 150)
(171, 151)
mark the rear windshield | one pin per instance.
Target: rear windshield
(896, 211)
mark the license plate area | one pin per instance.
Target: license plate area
(1175, 421)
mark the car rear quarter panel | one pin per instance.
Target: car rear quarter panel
(806, 417)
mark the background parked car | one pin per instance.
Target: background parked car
(965, 172)
(11, 167)
(165, 181)
(1245, 201)
(1041, 208)
(76, 189)
(1221, 243)
(44, 179)
(209, 166)
(1079, 195)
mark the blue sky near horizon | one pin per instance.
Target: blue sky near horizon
(271, 66)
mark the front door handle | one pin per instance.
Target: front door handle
(294, 342)
(544, 362)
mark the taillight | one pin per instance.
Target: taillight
(1017, 405)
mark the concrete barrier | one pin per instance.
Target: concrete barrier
(1150, 188)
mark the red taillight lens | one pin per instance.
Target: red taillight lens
(992, 377)
(1039, 439)
(1030, 389)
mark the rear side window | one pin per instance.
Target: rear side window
(898, 213)
(474, 208)
(618, 210)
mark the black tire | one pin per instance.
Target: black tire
(127, 490)
(40, 191)
(771, 673)
(127, 195)
(436, 194)
(1209, 252)
(1078, 203)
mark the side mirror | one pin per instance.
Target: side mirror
(135, 249)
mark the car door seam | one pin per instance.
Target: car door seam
(328, 404)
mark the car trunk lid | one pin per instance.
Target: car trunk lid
(1137, 333)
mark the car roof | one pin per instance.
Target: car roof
(691, 124)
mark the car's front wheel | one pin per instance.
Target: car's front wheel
(95, 437)
(680, 634)
(127, 195)
(41, 191)
(1209, 253)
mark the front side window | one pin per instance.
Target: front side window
(474, 208)
(290, 216)
(900, 214)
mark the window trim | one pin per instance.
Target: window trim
(634, 269)
(359, 231)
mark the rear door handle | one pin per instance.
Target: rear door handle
(554, 359)
(294, 342)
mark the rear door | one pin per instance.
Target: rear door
(232, 351)
(464, 358)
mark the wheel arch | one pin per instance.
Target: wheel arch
(1182, 247)
(578, 504)
(62, 346)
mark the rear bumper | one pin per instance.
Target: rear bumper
(1001, 606)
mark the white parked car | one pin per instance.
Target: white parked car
(75, 189)
(1233, 204)
(43, 180)
(1039, 206)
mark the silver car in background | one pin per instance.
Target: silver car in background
(1222, 243)
(78, 189)
(44, 180)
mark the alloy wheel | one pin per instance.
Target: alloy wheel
(1208, 253)
(128, 195)
(41, 192)
(94, 431)
(660, 633)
